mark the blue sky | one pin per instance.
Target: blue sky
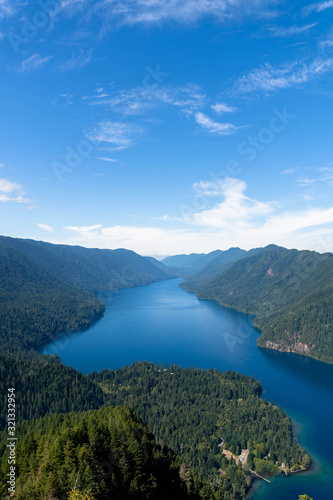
(167, 126)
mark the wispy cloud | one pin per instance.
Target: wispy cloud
(221, 108)
(117, 134)
(325, 175)
(324, 44)
(281, 31)
(45, 227)
(105, 158)
(288, 171)
(138, 100)
(76, 61)
(214, 127)
(7, 8)
(11, 191)
(157, 11)
(34, 62)
(2, 165)
(84, 230)
(317, 7)
(268, 78)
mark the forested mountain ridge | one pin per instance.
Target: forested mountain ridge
(89, 269)
(45, 386)
(46, 289)
(290, 292)
(35, 306)
(106, 454)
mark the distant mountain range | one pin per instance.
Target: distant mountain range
(46, 289)
(290, 292)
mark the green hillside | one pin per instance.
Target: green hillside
(290, 292)
(35, 306)
(46, 289)
(89, 269)
(44, 386)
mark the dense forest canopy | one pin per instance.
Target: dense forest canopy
(108, 452)
(193, 411)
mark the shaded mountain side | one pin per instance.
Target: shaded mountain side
(289, 291)
(45, 386)
(46, 289)
(89, 269)
(35, 306)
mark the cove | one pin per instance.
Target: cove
(164, 323)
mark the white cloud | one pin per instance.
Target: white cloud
(214, 127)
(268, 78)
(34, 62)
(221, 108)
(84, 230)
(45, 227)
(236, 209)
(317, 7)
(156, 11)
(118, 134)
(11, 191)
(280, 31)
(76, 62)
(103, 158)
(324, 44)
(7, 8)
(138, 100)
(325, 175)
(288, 171)
(2, 165)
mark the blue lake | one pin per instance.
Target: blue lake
(163, 323)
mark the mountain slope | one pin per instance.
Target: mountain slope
(89, 269)
(217, 265)
(194, 261)
(45, 386)
(289, 291)
(35, 306)
(46, 289)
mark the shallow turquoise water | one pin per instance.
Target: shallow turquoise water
(163, 323)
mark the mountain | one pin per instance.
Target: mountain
(89, 269)
(46, 289)
(290, 292)
(218, 264)
(194, 261)
(35, 306)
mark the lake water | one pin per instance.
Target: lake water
(163, 323)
